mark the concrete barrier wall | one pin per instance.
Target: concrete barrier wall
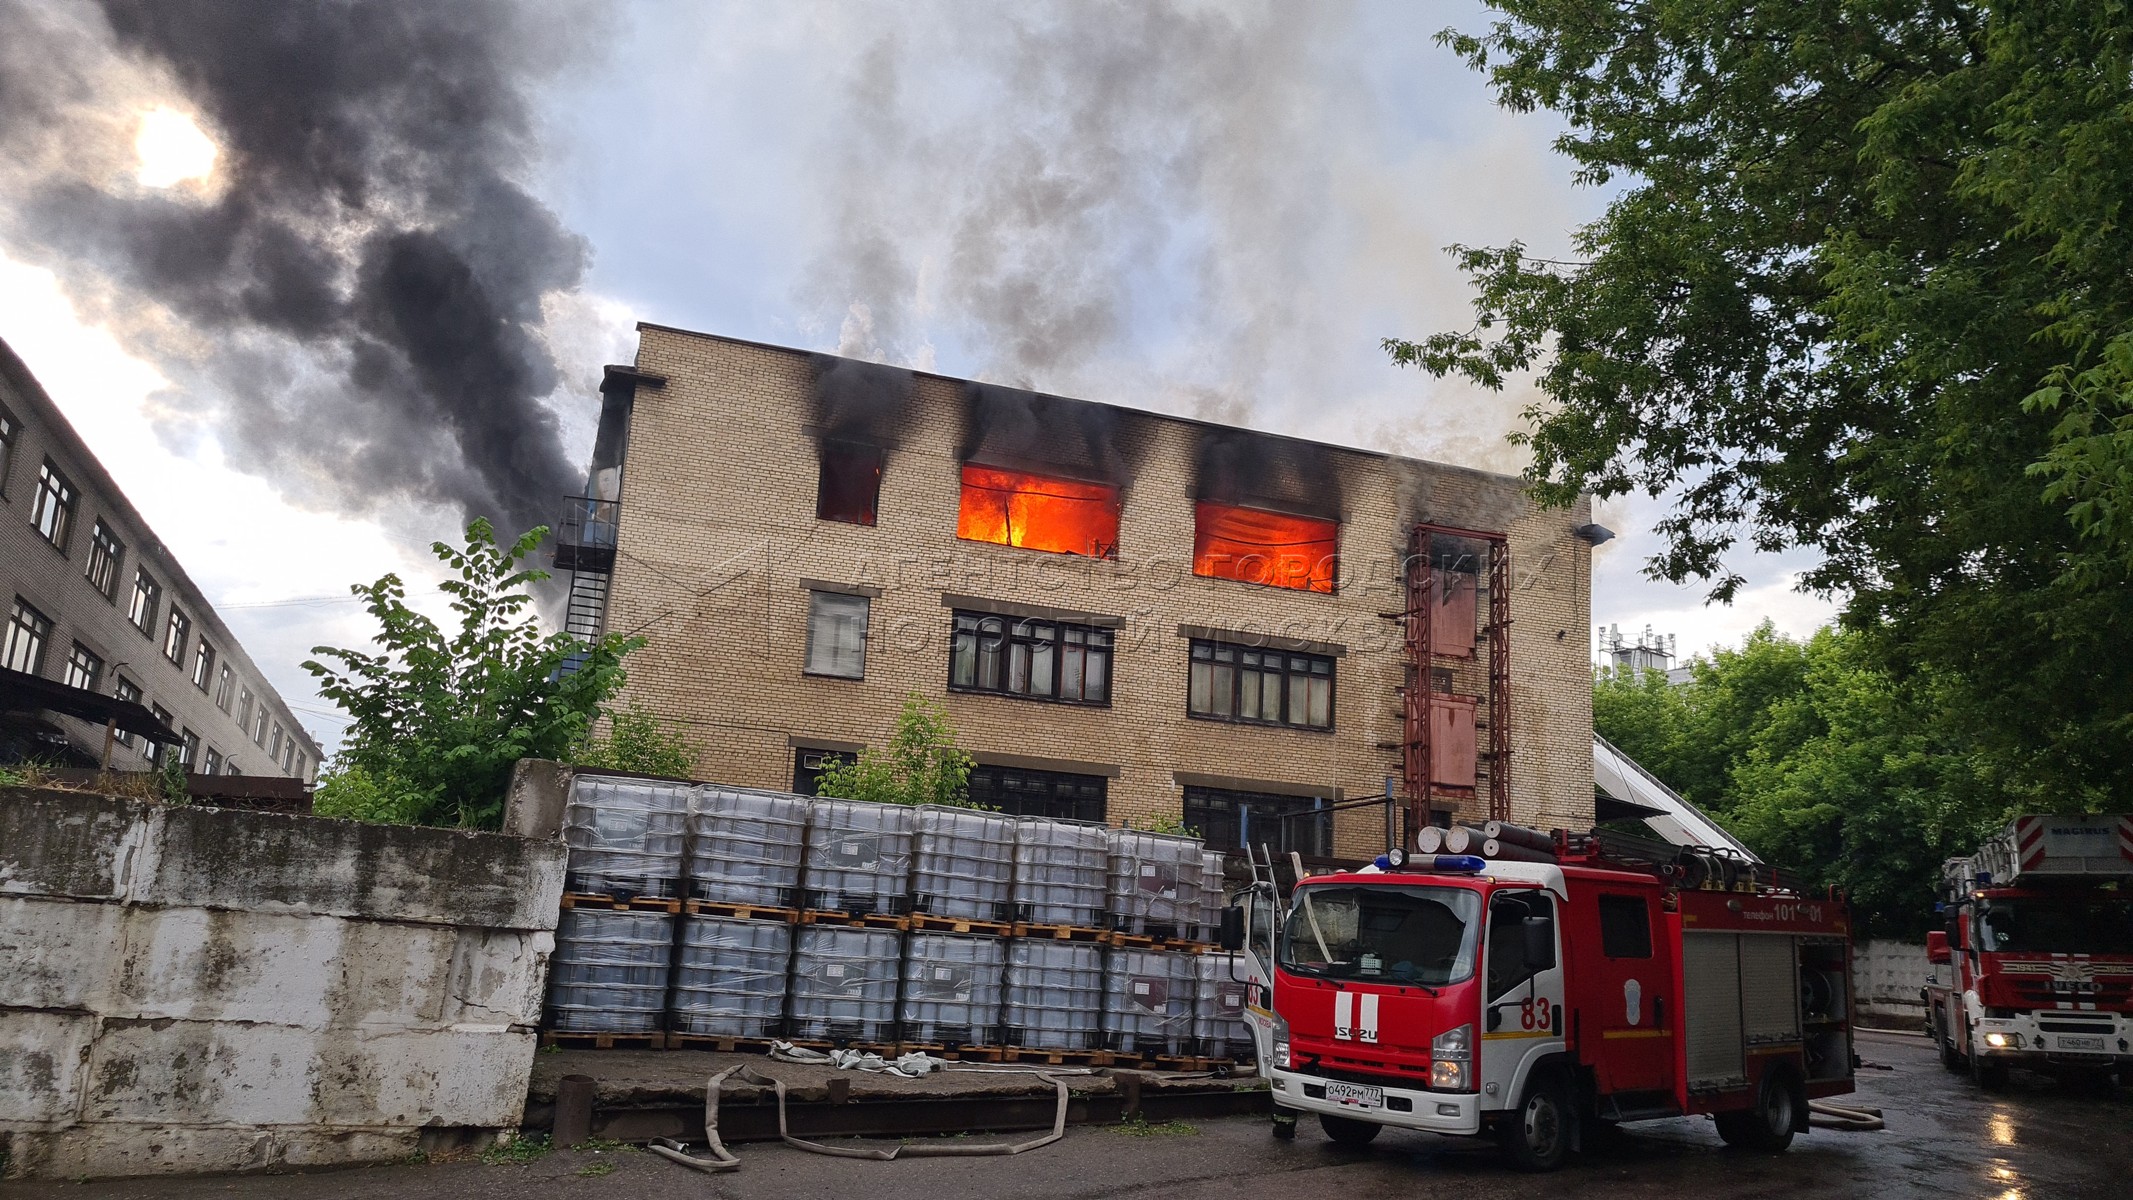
(192, 989)
(1886, 976)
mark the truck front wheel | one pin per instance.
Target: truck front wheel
(1991, 1076)
(1536, 1135)
(1348, 1131)
(1780, 1108)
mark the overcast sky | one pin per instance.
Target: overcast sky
(1215, 209)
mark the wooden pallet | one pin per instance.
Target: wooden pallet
(603, 1041)
(984, 1054)
(1175, 1062)
(719, 1043)
(1038, 1056)
(741, 912)
(651, 904)
(1142, 941)
(928, 923)
(1057, 933)
(824, 916)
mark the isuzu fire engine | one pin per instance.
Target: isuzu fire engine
(1574, 981)
(2034, 966)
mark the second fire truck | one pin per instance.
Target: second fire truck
(1573, 981)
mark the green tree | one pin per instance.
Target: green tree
(1861, 287)
(921, 764)
(639, 742)
(1817, 758)
(440, 718)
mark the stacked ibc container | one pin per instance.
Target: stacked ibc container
(615, 940)
(1219, 1029)
(737, 931)
(858, 860)
(1059, 874)
(951, 990)
(1054, 995)
(962, 869)
(844, 984)
(1149, 997)
(1157, 885)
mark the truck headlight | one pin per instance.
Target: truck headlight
(2002, 1041)
(1281, 1044)
(1451, 1052)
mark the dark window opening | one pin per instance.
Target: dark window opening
(176, 636)
(54, 512)
(129, 691)
(1268, 687)
(1229, 820)
(1508, 911)
(147, 594)
(27, 632)
(808, 766)
(85, 668)
(849, 487)
(1625, 927)
(1024, 792)
(1032, 658)
(105, 550)
(8, 438)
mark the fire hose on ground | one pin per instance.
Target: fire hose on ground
(1824, 1115)
(723, 1160)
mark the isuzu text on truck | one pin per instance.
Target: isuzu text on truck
(1573, 980)
(2034, 964)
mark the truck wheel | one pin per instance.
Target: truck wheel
(1536, 1135)
(1990, 1076)
(1348, 1131)
(1949, 1059)
(1780, 1108)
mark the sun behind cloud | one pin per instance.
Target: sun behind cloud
(173, 149)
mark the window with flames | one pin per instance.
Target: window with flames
(1038, 512)
(1255, 545)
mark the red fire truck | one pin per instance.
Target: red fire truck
(2034, 967)
(1540, 994)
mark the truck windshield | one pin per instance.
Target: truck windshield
(2055, 927)
(1414, 935)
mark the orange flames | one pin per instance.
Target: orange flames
(1038, 512)
(1258, 546)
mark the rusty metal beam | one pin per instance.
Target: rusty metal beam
(1500, 679)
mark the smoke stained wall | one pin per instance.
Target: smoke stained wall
(353, 298)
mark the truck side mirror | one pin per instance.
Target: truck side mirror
(1937, 948)
(1231, 934)
(1540, 943)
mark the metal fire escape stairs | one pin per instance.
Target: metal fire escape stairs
(585, 547)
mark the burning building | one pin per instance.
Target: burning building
(1128, 616)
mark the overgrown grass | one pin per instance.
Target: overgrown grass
(1139, 1126)
(595, 1170)
(518, 1151)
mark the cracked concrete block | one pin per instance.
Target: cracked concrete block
(41, 1065)
(66, 843)
(50, 952)
(498, 975)
(219, 1073)
(104, 1151)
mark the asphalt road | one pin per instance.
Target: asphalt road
(1945, 1139)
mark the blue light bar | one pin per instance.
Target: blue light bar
(1468, 863)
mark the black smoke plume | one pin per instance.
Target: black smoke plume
(859, 401)
(1259, 470)
(355, 296)
(1023, 430)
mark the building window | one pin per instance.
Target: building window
(27, 632)
(837, 635)
(303, 768)
(1229, 820)
(1030, 793)
(224, 686)
(188, 749)
(10, 433)
(1038, 512)
(54, 512)
(105, 551)
(129, 692)
(203, 665)
(176, 635)
(85, 670)
(244, 708)
(156, 750)
(1270, 687)
(259, 728)
(1271, 548)
(212, 763)
(1025, 656)
(231, 768)
(274, 747)
(288, 756)
(849, 486)
(147, 595)
(808, 766)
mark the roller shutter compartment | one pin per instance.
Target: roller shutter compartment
(1710, 969)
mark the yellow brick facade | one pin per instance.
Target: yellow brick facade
(718, 532)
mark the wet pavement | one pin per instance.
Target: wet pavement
(2036, 1141)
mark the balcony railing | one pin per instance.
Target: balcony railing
(585, 536)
